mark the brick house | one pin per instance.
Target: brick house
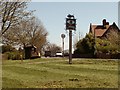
(105, 30)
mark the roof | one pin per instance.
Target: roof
(99, 29)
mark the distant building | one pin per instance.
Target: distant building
(105, 30)
(31, 52)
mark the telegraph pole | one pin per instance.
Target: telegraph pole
(70, 25)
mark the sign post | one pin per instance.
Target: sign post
(70, 25)
(63, 36)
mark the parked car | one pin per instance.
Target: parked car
(47, 54)
(59, 54)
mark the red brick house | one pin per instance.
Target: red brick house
(107, 32)
(104, 30)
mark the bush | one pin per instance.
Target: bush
(106, 46)
(7, 48)
(85, 45)
(14, 55)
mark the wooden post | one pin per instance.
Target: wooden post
(70, 46)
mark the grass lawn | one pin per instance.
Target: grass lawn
(57, 73)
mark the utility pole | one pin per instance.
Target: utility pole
(70, 25)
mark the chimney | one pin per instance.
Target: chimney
(104, 23)
(107, 23)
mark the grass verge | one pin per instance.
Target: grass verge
(57, 73)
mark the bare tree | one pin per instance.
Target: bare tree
(52, 47)
(29, 32)
(11, 13)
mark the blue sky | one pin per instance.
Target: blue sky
(53, 14)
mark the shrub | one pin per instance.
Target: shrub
(14, 55)
(106, 46)
(85, 45)
(7, 48)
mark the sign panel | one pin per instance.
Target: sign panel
(70, 24)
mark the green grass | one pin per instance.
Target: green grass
(57, 73)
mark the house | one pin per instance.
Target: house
(110, 33)
(105, 30)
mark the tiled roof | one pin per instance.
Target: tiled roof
(99, 30)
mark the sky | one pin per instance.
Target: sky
(53, 16)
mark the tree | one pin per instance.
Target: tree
(106, 46)
(86, 45)
(30, 31)
(52, 47)
(11, 13)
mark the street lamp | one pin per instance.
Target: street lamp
(70, 25)
(63, 36)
